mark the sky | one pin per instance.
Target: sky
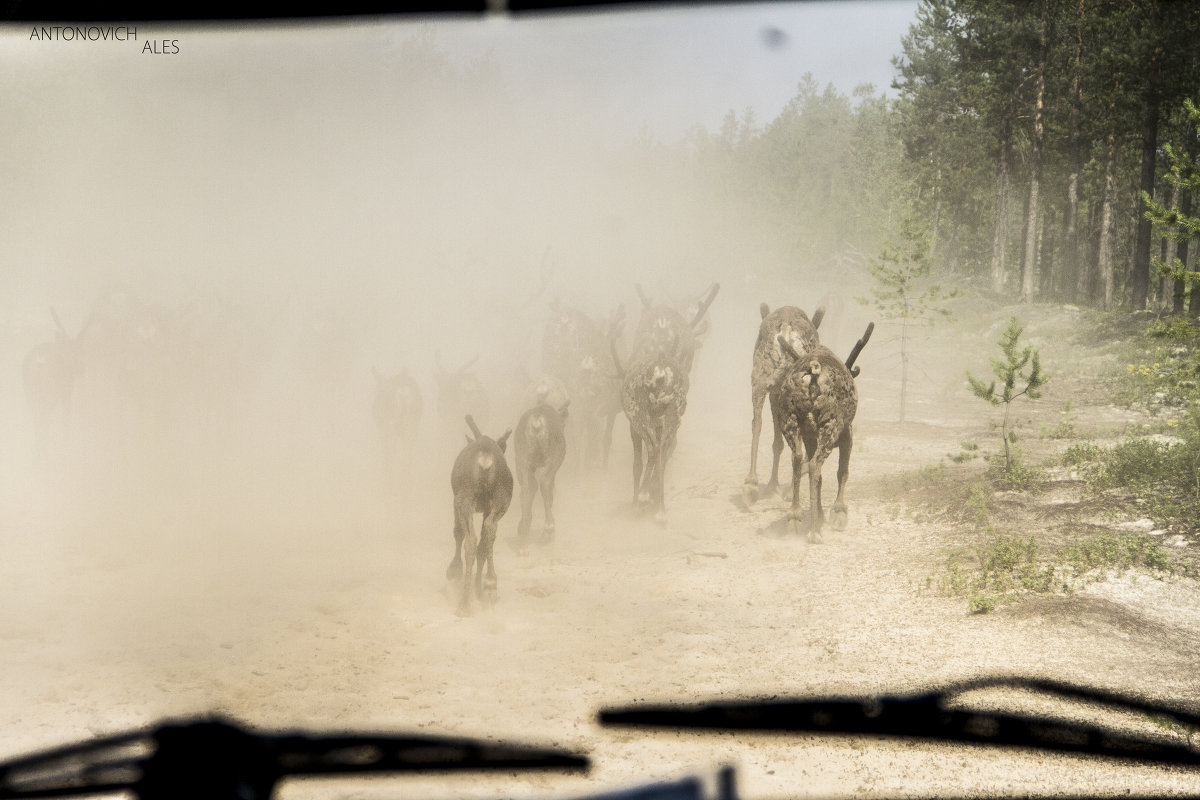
(197, 154)
(666, 69)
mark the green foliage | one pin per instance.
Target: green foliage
(1079, 453)
(901, 271)
(1065, 429)
(1163, 476)
(1018, 366)
(1003, 568)
(903, 290)
(1171, 222)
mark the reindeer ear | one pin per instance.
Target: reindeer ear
(502, 442)
(763, 310)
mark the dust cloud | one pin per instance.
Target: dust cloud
(237, 236)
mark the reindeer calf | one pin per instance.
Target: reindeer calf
(482, 484)
(541, 448)
(818, 401)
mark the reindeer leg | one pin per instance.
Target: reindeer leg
(664, 452)
(462, 521)
(486, 542)
(777, 451)
(547, 487)
(466, 604)
(840, 513)
(528, 490)
(757, 396)
(816, 514)
(637, 464)
(794, 512)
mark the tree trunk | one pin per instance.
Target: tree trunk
(1170, 247)
(1029, 262)
(1150, 113)
(1185, 208)
(1073, 282)
(1047, 286)
(1105, 258)
(1000, 221)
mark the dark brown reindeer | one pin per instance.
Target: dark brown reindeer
(541, 447)
(818, 401)
(49, 373)
(397, 411)
(654, 398)
(459, 393)
(769, 359)
(482, 484)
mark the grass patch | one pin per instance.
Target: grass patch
(1003, 568)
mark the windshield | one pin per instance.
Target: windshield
(254, 277)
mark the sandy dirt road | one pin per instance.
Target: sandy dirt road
(320, 623)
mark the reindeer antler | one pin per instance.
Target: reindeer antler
(712, 295)
(645, 300)
(818, 315)
(58, 323)
(866, 337)
(474, 428)
(612, 346)
(763, 310)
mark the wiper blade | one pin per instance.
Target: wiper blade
(929, 715)
(215, 759)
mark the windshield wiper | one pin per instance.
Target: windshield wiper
(930, 715)
(215, 759)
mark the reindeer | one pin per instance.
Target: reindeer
(575, 350)
(599, 393)
(793, 324)
(818, 401)
(664, 330)
(654, 398)
(541, 447)
(482, 484)
(459, 392)
(49, 372)
(397, 410)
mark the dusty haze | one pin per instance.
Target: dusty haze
(301, 204)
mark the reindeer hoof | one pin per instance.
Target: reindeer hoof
(489, 593)
(794, 526)
(660, 517)
(750, 492)
(643, 499)
(454, 571)
(521, 545)
(548, 533)
(464, 610)
(838, 519)
(772, 489)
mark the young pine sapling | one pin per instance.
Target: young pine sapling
(1018, 366)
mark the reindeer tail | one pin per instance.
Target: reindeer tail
(866, 337)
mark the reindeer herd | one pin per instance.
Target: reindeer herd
(586, 380)
(566, 414)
